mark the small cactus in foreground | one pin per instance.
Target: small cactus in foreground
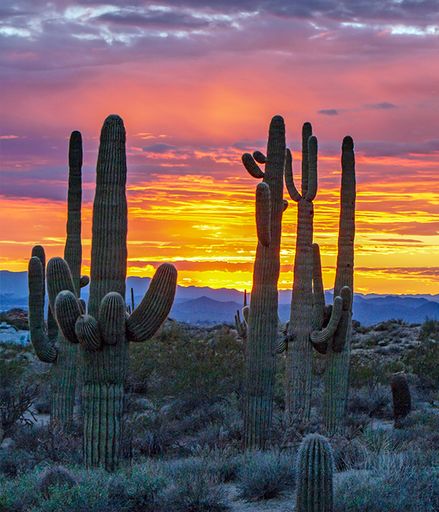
(104, 330)
(54, 477)
(402, 402)
(315, 471)
(262, 321)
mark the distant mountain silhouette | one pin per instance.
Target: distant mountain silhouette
(206, 305)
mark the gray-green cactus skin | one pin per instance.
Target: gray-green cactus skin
(262, 321)
(104, 331)
(315, 472)
(334, 339)
(50, 346)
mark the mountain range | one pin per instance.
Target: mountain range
(204, 305)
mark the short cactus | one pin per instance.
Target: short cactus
(104, 330)
(262, 322)
(315, 472)
(402, 402)
(50, 346)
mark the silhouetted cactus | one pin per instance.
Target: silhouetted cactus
(263, 315)
(334, 338)
(297, 342)
(402, 402)
(315, 470)
(105, 330)
(50, 346)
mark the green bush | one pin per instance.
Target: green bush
(429, 330)
(265, 475)
(423, 361)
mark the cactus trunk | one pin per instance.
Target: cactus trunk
(263, 314)
(338, 362)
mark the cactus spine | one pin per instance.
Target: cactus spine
(337, 341)
(105, 330)
(315, 470)
(49, 344)
(262, 318)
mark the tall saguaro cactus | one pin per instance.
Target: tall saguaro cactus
(105, 330)
(315, 473)
(335, 338)
(50, 346)
(263, 313)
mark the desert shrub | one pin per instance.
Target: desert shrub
(20, 494)
(265, 475)
(13, 462)
(411, 490)
(54, 477)
(16, 395)
(221, 463)
(348, 453)
(372, 400)
(188, 367)
(422, 361)
(369, 372)
(193, 488)
(429, 330)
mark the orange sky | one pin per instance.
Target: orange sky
(193, 103)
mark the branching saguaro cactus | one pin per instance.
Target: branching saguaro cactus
(298, 385)
(261, 330)
(335, 337)
(402, 402)
(315, 470)
(50, 346)
(105, 330)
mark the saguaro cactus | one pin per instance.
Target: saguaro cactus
(105, 330)
(50, 346)
(315, 470)
(335, 338)
(263, 315)
(402, 402)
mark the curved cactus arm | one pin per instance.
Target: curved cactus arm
(84, 281)
(281, 345)
(318, 290)
(263, 213)
(44, 348)
(321, 338)
(155, 306)
(59, 278)
(112, 318)
(259, 157)
(252, 167)
(87, 332)
(82, 305)
(241, 326)
(67, 311)
(285, 205)
(289, 180)
(246, 313)
(340, 337)
(306, 134)
(312, 168)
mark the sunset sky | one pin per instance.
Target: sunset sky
(196, 84)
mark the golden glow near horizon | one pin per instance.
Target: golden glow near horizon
(205, 226)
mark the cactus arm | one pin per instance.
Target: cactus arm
(252, 167)
(322, 337)
(263, 214)
(306, 134)
(87, 332)
(312, 169)
(73, 247)
(155, 306)
(341, 333)
(289, 180)
(59, 278)
(259, 157)
(284, 205)
(241, 326)
(318, 290)
(112, 318)
(45, 350)
(67, 311)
